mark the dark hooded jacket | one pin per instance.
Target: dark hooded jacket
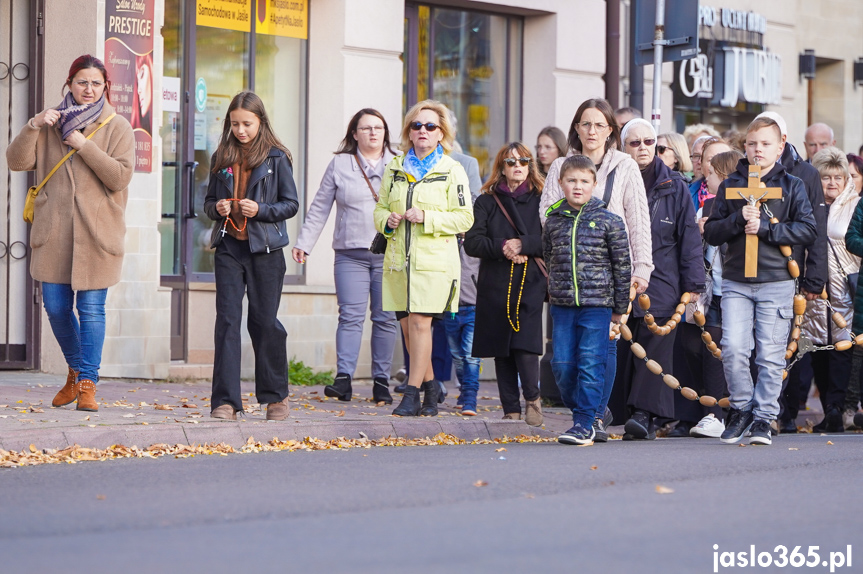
(796, 225)
(814, 272)
(677, 254)
(587, 253)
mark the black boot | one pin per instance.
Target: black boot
(381, 391)
(431, 391)
(341, 388)
(400, 388)
(410, 405)
(441, 397)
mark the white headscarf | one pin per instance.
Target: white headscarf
(636, 122)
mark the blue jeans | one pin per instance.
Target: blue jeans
(459, 332)
(81, 343)
(580, 339)
(610, 373)
(762, 315)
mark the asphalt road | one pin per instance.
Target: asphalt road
(416, 509)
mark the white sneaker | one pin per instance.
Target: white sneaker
(708, 427)
(848, 419)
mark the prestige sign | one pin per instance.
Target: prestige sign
(732, 19)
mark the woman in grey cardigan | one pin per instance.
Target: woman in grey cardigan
(351, 182)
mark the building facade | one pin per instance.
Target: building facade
(506, 68)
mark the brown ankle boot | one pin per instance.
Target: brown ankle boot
(69, 392)
(277, 411)
(87, 396)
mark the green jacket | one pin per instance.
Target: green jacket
(422, 269)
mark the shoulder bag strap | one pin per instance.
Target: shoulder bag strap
(68, 155)
(539, 262)
(609, 185)
(365, 177)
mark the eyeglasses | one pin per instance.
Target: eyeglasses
(417, 126)
(523, 161)
(586, 126)
(84, 83)
(660, 149)
(637, 143)
(696, 156)
(370, 129)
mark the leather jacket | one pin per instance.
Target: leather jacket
(271, 185)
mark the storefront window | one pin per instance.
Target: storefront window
(471, 62)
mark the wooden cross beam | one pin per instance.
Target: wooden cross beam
(754, 193)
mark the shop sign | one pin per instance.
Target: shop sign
(732, 19)
(129, 62)
(225, 14)
(751, 75)
(170, 94)
(283, 18)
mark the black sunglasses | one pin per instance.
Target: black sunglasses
(417, 126)
(510, 161)
(647, 142)
(660, 149)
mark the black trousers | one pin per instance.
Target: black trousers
(635, 386)
(832, 370)
(239, 272)
(706, 374)
(508, 370)
(796, 389)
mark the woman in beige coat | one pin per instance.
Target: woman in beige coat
(77, 240)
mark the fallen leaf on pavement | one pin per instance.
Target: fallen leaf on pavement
(793, 448)
(663, 489)
(100, 497)
(189, 406)
(128, 416)
(33, 448)
(480, 483)
(501, 449)
(340, 413)
(829, 442)
(164, 408)
(594, 467)
(35, 410)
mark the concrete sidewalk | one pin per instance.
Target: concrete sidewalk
(143, 413)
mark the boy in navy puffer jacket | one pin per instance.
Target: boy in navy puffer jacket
(587, 253)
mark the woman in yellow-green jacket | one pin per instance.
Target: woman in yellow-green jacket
(424, 202)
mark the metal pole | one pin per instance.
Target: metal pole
(658, 45)
(636, 72)
(612, 53)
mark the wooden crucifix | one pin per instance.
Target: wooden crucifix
(754, 193)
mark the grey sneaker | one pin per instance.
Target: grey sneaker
(848, 419)
(599, 431)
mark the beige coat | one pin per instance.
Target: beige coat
(79, 222)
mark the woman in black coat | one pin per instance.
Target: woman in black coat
(678, 269)
(511, 286)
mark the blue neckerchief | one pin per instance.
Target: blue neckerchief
(417, 167)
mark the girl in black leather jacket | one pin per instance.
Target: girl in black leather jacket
(251, 193)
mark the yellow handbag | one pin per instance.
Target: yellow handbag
(34, 191)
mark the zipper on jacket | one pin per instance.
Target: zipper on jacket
(409, 202)
(451, 296)
(575, 257)
(277, 229)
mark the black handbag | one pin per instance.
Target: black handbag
(379, 243)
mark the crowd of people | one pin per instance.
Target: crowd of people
(640, 243)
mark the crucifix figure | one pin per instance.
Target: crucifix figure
(755, 193)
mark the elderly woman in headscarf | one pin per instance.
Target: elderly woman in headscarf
(678, 269)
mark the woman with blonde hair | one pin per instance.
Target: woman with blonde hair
(424, 203)
(507, 238)
(832, 369)
(672, 150)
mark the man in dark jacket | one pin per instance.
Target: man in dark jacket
(813, 262)
(589, 272)
(762, 304)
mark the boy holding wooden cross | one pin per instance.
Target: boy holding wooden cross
(758, 281)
